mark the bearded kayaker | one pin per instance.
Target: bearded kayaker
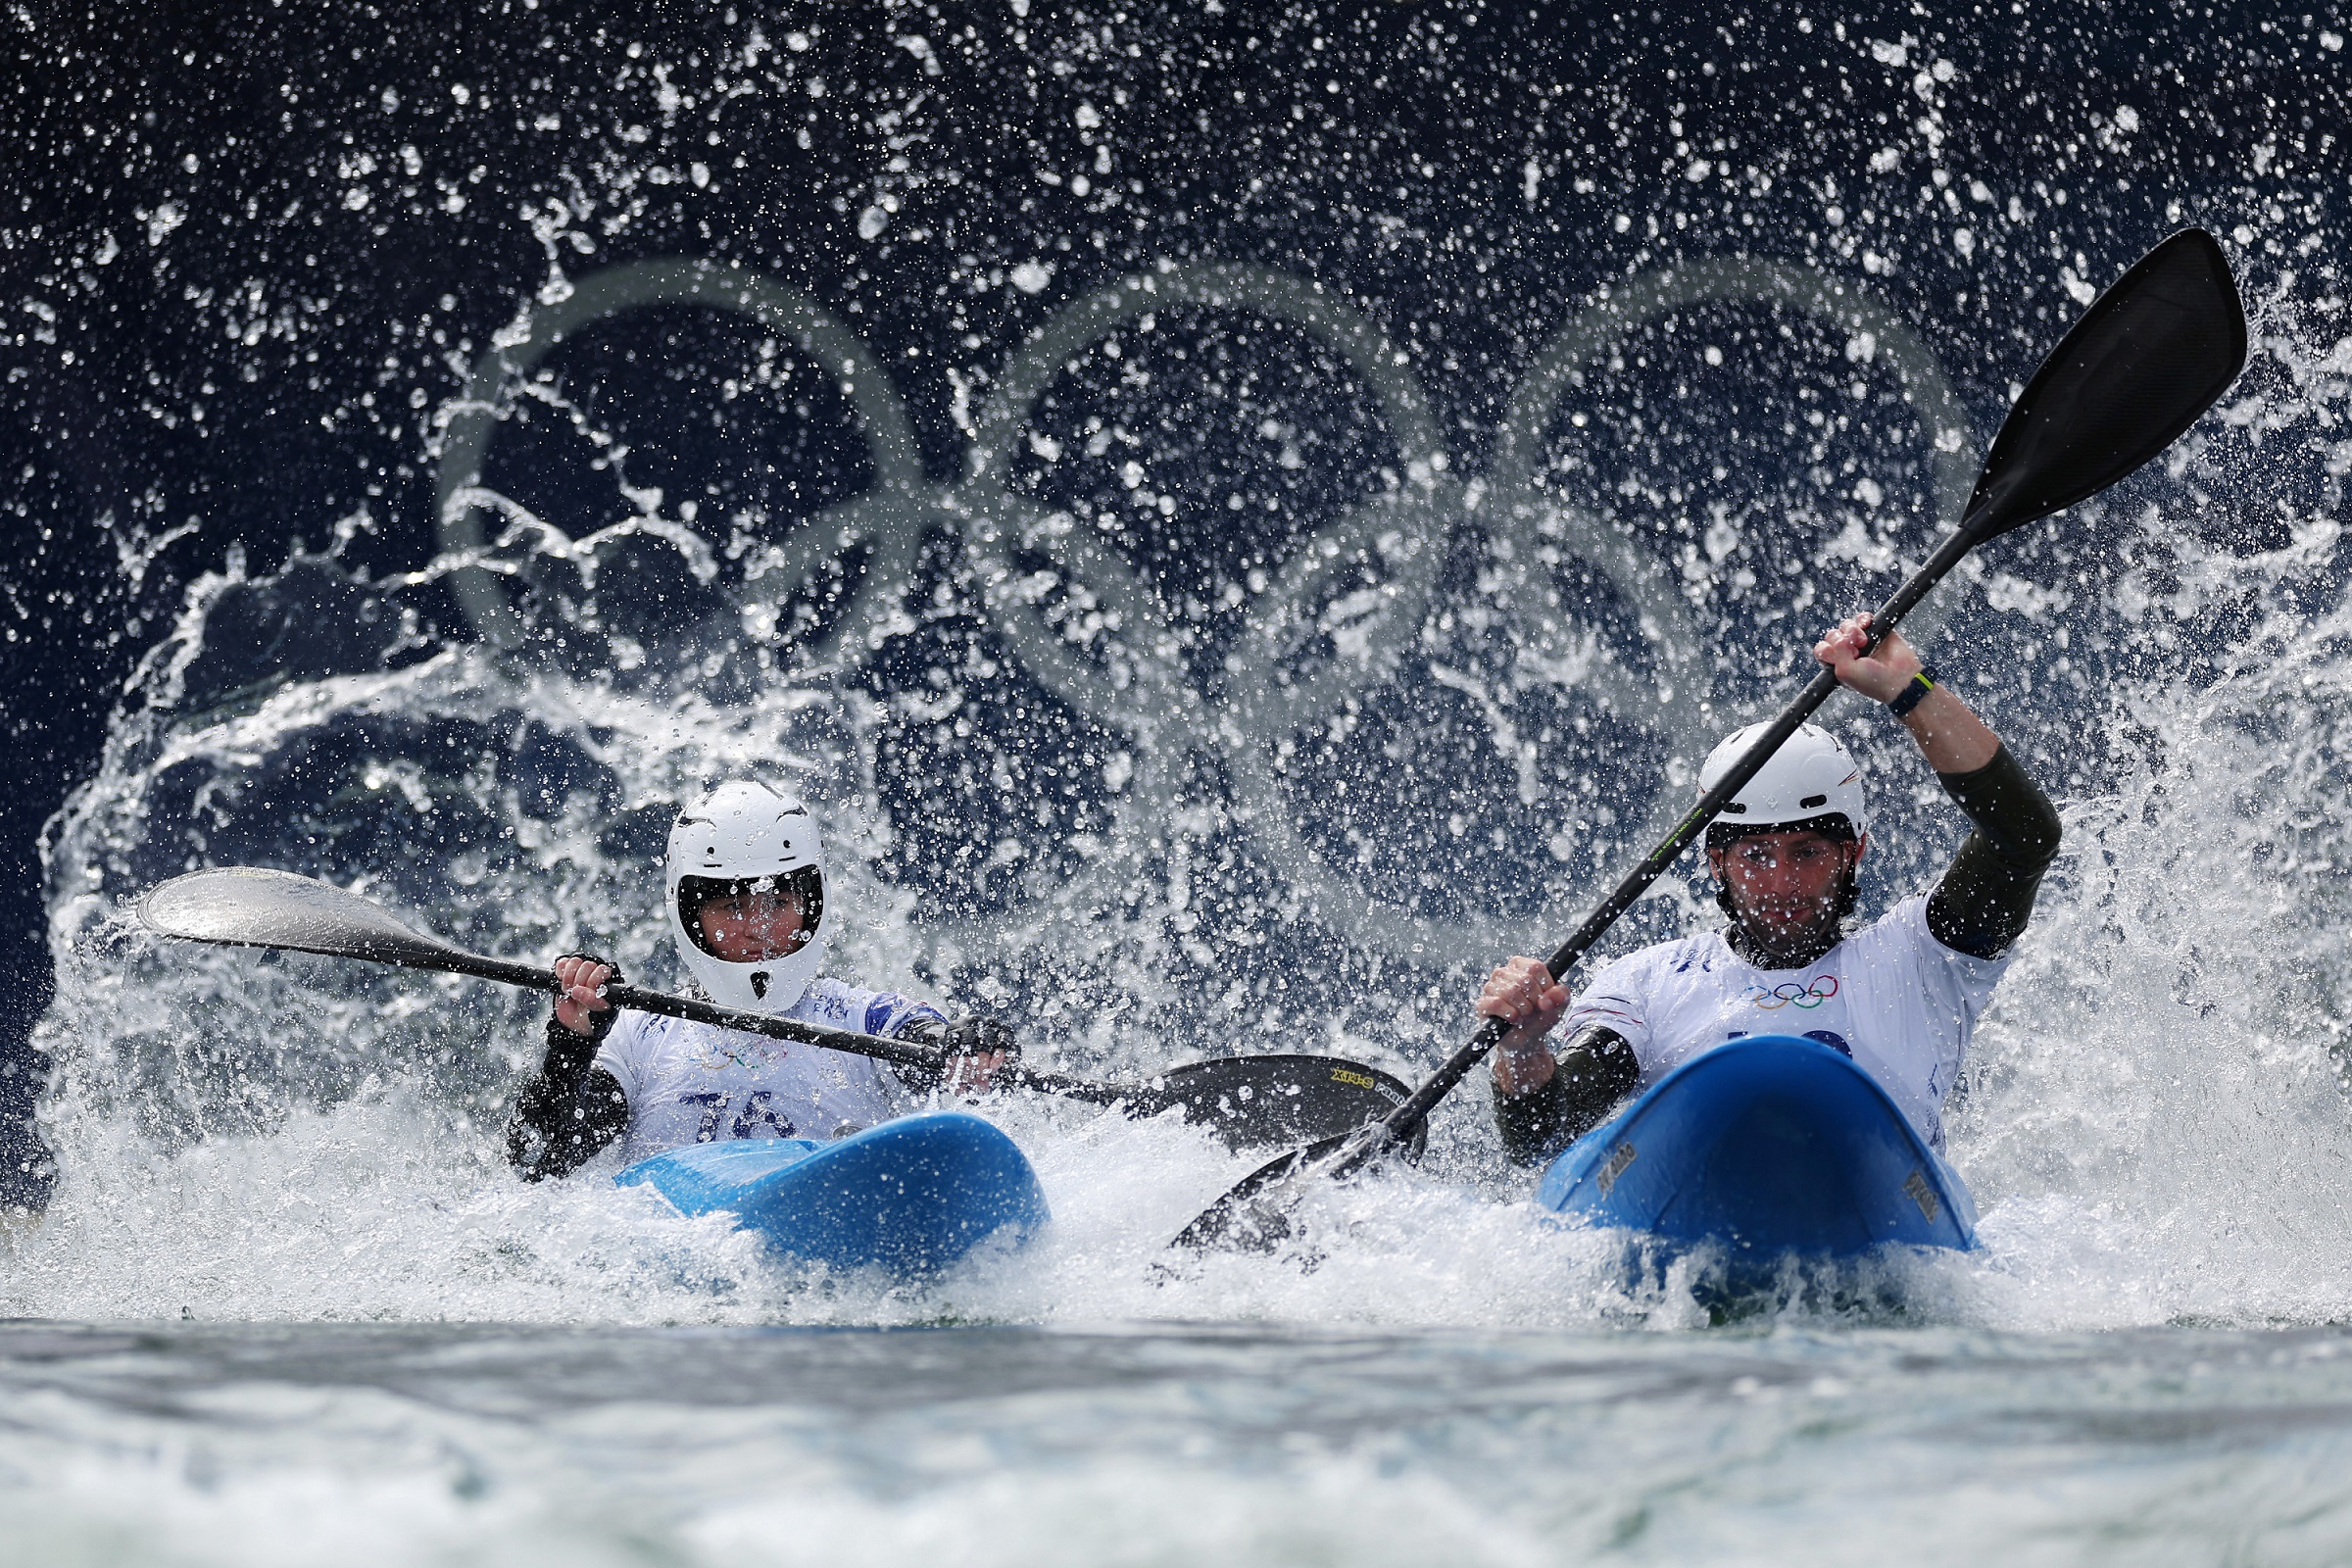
(744, 894)
(1899, 996)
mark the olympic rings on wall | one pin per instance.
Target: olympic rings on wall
(1119, 665)
(890, 516)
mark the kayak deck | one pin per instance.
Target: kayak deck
(913, 1196)
(1767, 1144)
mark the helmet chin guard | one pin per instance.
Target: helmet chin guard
(1811, 777)
(744, 832)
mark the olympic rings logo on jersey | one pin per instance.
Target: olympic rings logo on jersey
(1126, 680)
(1788, 994)
(720, 1054)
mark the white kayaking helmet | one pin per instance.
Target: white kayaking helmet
(1812, 782)
(745, 837)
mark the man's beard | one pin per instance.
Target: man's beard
(1791, 945)
(1775, 944)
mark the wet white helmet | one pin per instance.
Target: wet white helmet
(739, 837)
(1812, 775)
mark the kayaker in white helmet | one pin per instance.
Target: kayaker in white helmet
(1899, 996)
(745, 900)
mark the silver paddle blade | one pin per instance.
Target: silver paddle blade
(249, 905)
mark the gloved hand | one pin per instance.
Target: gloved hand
(978, 1048)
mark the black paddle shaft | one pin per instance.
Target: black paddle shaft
(1274, 1090)
(904, 1052)
(1246, 1100)
(412, 949)
(1250, 1101)
(2149, 356)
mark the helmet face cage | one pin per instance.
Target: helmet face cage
(805, 886)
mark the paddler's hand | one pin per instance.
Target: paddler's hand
(581, 1005)
(1951, 737)
(1524, 995)
(977, 1050)
(1882, 675)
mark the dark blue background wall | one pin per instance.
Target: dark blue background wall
(245, 253)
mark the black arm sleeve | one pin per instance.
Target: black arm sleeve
(1986, 897)
(1595, 1070)
(568, 1112)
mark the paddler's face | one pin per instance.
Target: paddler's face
(1786, 885)
(749, 927)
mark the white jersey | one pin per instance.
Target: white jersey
(690, 1083)
(1891, 997)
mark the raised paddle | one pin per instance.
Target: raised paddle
(2149, 356)
(1249, 1100)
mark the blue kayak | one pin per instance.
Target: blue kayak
(913, 1195)
(1765, 1144)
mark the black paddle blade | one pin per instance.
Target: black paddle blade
(2149, 356)
(1251, 1101)
(249, 905)
(1254, 1216)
